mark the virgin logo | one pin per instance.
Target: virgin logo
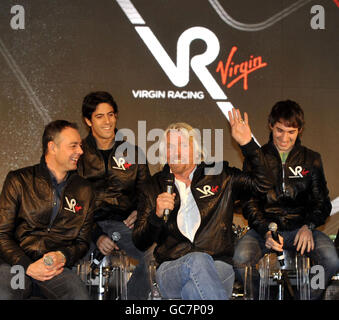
(233, 72)
(72, 205)
(208, 191)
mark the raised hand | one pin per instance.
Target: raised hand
(241, 131)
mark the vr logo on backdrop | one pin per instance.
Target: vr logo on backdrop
(178, 73)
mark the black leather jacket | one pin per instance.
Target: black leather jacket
(115, 190)
(26, 203)
(299, 195)
(214, 236)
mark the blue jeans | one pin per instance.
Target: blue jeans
(65, 286)
(195, 276)
(138, 286)
(251, 248)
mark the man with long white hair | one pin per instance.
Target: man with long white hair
(194, 241)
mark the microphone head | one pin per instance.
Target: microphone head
(170, 179)
(273, 227)
(116, 236)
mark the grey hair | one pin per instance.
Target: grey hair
(188, 131)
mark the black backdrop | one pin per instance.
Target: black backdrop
(70, 47)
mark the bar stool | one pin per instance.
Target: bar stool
(332, 291)
(295, 272)
(109, 280)
(155, 291)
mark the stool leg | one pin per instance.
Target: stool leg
(303, 276)
(280, 287)
(264, 271)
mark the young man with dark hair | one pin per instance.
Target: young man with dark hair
(46, 220)
(117, 177)
(298, 202)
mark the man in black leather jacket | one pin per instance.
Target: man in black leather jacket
(297, 203)
(45, 220)
(195, 245)
(117, 171)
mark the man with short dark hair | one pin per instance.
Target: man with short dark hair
(117, 176)
(298, 202)
(46, 219)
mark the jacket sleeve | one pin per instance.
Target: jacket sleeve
(148, 226)
(143, 173)
(97, 232)
(251, 208)
(257, 180)
(255, 217)
(80, 245)
(10, 199)
(321, 206)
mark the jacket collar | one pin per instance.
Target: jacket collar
(199, 168)
(43, 169)
(92, 142)
(45, 173)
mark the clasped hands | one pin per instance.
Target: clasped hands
(38, 270)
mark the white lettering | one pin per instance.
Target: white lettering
(179, 73)
(318, 20)
(18, 281)
(18, 21)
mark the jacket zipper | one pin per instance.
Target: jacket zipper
(283, 178)
(53, 204)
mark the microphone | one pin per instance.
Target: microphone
(98, 256)
(273, 227)
(169, 189)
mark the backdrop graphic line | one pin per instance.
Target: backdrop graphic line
(255, 26)
(24, 83)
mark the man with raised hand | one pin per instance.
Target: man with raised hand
(194, 242)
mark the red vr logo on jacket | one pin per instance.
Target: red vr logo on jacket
(298, 172)
(121, 164)
(208, 191)
(72, 205)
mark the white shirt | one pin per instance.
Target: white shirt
(188, 218)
